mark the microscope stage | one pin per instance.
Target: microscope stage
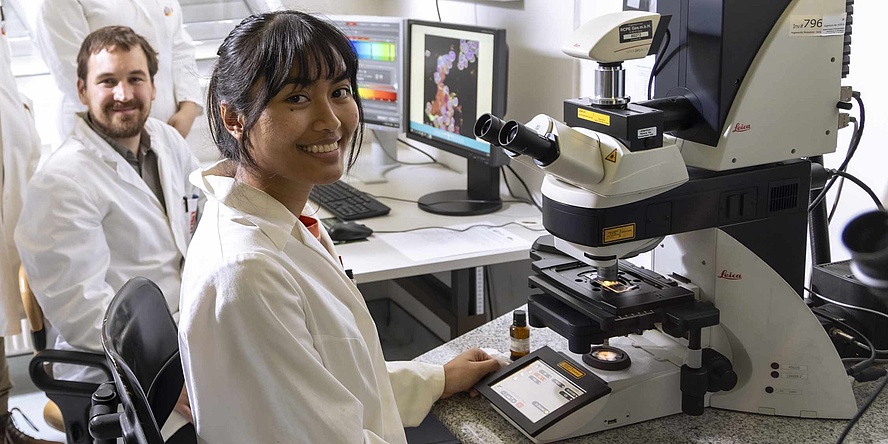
(637, 289)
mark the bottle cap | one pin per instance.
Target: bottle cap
(519, 318)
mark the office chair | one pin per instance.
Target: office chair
(69, 402)
(141, 344)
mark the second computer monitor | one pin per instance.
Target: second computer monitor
(379, 44)
(454, 74)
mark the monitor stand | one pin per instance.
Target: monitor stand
(482, 195)
(371, 167)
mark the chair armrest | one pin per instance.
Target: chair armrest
(48, 384)
(104, 420)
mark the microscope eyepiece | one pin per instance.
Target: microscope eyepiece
(519, 139)
(866, 238)
(487, 127)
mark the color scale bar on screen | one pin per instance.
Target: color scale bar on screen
(375, 94)
(380, 51)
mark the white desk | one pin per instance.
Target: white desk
(375, 260)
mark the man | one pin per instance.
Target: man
(111, 203)
(19, 151)
(61, 25)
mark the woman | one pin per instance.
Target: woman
(277, 342)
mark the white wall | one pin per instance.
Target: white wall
(870, 163)
(351, 7)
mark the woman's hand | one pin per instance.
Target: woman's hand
(183, 119)
(461, 373)
(183, 406)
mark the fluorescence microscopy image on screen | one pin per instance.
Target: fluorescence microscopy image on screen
(451, 84)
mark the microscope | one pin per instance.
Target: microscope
(711, 176)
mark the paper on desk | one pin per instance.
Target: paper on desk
(433, 243)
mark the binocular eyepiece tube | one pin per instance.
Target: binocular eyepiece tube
(517, 139)
(866, 238)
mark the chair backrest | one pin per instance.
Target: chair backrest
(140, 340)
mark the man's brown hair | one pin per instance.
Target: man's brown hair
(114, 38)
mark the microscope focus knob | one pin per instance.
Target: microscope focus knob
(721, 372)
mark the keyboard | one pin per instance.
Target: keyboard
(347, 202)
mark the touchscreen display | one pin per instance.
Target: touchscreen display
(537, 390)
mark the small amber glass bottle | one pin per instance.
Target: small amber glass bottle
(519, 333)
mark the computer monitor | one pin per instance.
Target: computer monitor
(379, 43)
(454, 74)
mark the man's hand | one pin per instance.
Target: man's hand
(184, 117)
(465, 370)
(183, 406)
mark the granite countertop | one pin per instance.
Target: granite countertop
(474, 421)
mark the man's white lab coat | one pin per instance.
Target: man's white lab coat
(20, 150)
(61, 26)
(276, 341)
(90, 223)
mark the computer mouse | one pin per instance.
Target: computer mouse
(349, 231)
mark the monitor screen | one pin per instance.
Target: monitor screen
(455, 73)
(378, 41)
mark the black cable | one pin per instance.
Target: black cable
(401, 162)
(655, 68)
(842, 180)
(506, 180)
(438, 8)
(835, 206)
(863, 409)
(862, 185)
(526, 188)
(509, 187)
(458, 230)
(421, 151)
(855, 142)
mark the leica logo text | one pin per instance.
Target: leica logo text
(741, 127)
(725, 274)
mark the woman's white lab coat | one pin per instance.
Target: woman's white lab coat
(20, 150)
(276, 341)
(90, 223)
(61, 26)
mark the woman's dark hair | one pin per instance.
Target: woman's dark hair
(255, 63)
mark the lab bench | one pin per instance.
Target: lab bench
(474, 421)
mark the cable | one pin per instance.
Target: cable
(512, 193)
(842, 304)
(656, 67)
(860, 366)
(458, 230)
(438, 8)
(401, 162)
(863, 409)
(506, 180)
(842, 180)
(855, 142)
(862, 185)
(835, 205)
(526, 188)
(417, 149)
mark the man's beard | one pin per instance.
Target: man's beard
(121, 129)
